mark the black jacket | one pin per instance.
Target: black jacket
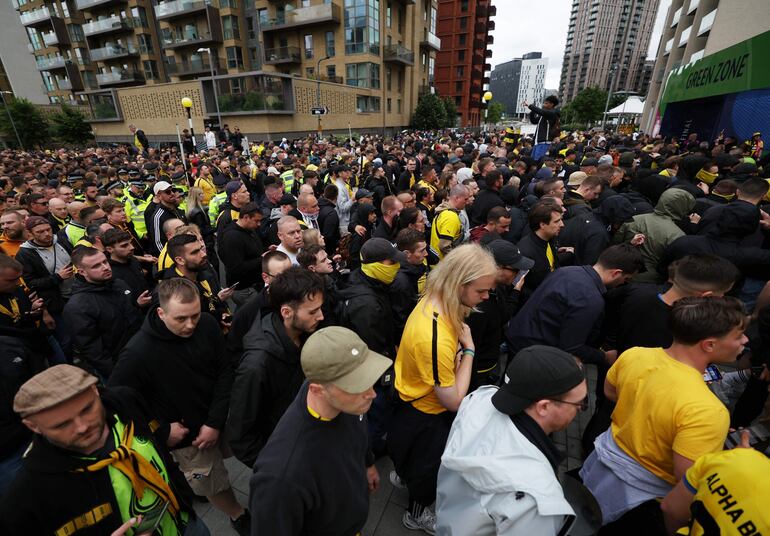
(311, 476)
(546, 122)
(487, 323)
(210, 302)
(131, 274)
(588, 234)
(241, 252)
(534, 247)
(182, 379)
(17, 365)
(154, 217)
(47, 493)
(329, 225)
(255, 308)
(39, 279)
(266, 381)
(486, 200)
(404, 294)
(366, 309)
(102, 318)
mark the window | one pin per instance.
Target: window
(331, 72)
(458, 101)
(464, 6)
(460, 71)
(35, 39)
(363, 75)
(463, 23)
(310, 72)
(262, 16)
(458, 86)
(462, 38)
(308, 40)
(76, 32)
(365, 104)
(140, 17)
(330, 51)
(398, 106)
(65, 10)
(362, 26)
(390, 103)
(389, 15)
(234, 58)
(250, 28)
(150, 68)
(460, 55)
(145, 43)
(388, 77)
(228, 3)
(230, 28)
(433, 14)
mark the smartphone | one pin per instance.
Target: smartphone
(151, 519)
(712, 374)
(520, 276)
(234, 284)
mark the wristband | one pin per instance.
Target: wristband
(469, 351)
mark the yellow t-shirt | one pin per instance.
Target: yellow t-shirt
(426, 358)
(664, 406)
(731, 491)
(446, 226)
(209, 190)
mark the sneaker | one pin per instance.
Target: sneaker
(242, 525)
(396, 480)
(426, 522)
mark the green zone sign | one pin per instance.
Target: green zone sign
(740, 67)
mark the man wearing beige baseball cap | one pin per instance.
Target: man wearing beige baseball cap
(312, 475)
(95, 466)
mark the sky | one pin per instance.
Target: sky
(523, 26)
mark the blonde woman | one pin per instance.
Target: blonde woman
(433, 371)
(198, 215)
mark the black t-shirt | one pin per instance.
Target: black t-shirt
(642, 318)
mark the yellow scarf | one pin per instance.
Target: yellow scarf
(137, 469)
(13, 312)
(550, 257)
(384, 273)
(705, 176)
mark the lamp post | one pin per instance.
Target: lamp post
(613, 69)
(318, 91)
(213, 83)
(187, 104)
(486, 98)
(10, 117)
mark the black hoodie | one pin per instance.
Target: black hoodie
(102, 317)
(47, 494)
(266, 381)
(183, 379)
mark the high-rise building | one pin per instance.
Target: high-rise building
(504, 84)
(710, 71)
(365, 61)
(607, 44)
(518, 80)
(461, 66)
(19, 72)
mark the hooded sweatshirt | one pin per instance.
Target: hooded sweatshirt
(40, 267)
(493, 480)
(659, 228)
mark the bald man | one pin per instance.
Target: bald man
(290, 235)
(58, 214)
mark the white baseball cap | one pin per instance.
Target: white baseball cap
(161, 186)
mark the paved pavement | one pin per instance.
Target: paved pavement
(387, 505)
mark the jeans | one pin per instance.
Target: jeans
(196, 527)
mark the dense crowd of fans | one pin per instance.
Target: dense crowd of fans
(310, 306)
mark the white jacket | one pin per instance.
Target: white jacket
(493, 480)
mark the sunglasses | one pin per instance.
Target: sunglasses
(582, 405)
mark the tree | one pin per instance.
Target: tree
(430, 113)
(451, 112)
(70, 126)
(494, 112)
(588, 106)
(30, 122)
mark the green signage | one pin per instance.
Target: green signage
(740, 67)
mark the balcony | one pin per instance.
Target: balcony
(707, 22)
(685, 36)
(35, 17)
(50, 64)
(491, 26)
(90, 4)
(490, 39)
(398, 54)
(50, 39)
(111, 24)
(669, 46)
(112, 52)
(488, 53)
(192, 67)
(189, 39)
(177, 8)
(282, 55)
(121, 77)
(676, 17)
(64, 84)
(326, 78)
(693, 6)
(304, 16)
(430, 40)
(487, 67)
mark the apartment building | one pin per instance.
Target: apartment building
(366, 61)
(710, 70)
(462, 65)
(607, 42)
(518, 80)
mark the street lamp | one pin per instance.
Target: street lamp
(318, 91)
(213, 83)
(10, 117)
(187, 104)
(613, 70)
(486, 98)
